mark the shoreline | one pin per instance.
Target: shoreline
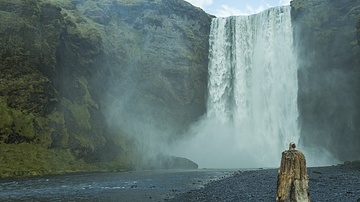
(327, 183)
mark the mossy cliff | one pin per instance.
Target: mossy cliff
(64, 65)
(327, 36)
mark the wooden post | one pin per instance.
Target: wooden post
(292, 184)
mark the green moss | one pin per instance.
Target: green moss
(45, 136)
(83, 141)
(43, 132)
(79, 112)
(297, 5)
(10, 18)
(24, 123)
(11, 50)
(63, 30)
(16, 121)
(67, 4)
(5, 119)
(87, 99)
(57, 118)
(31, 160)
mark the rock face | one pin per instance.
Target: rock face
(358, 30)
(160, 80)
(74, 74)
(329, 74)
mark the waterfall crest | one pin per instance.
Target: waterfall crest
(252, 92)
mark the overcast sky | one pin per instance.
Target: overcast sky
(223, 8)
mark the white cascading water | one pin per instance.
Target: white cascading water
(252, 99)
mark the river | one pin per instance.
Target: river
(155, 185)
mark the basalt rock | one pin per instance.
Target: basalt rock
(167, 162)
(327, 36)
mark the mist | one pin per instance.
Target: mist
(147, 136)
(212, 144)
(155, 80)
(251, 108)
(252, 112)
(263, 92)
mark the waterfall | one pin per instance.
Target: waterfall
(252, 92)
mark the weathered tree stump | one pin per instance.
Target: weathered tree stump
(292, 184)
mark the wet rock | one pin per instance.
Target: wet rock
(98, 16)
(327, 43)
(358, 30)
(167, 162)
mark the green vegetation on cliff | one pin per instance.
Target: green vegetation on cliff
(65, 64)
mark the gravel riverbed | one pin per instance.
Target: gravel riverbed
(334, 183)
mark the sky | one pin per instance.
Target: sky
(224, 8)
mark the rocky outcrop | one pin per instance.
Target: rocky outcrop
(167, 162)
(329, 75)
(74, 74)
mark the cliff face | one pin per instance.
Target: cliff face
(358, 30)
(160, 77)
(327, 35)
(74, 74)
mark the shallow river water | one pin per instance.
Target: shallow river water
(157, 185)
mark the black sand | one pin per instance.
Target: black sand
(335, 184)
